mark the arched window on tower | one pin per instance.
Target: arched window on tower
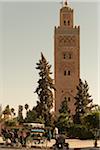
(68, 22)
(65, 73)
(69, 99)
(69, 56)
(65, 98)
(64, 56)
(69, 72)
(65, 22)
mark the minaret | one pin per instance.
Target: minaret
(66, 58)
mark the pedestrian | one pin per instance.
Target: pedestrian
(56, 132)
(95, 143)
(49, 135)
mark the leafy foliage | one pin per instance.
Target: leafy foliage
(31, 116)
(64, 120)
(7, 110)
(44, 91)
(11, 123)
(20, 114)
(92, 122)
(64, 107)
(26, 106)
(79, 131)
(13, 111)
(83, 101)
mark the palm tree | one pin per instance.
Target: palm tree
(7, 112)
(26, 107)
(20, 113)
(13, 111)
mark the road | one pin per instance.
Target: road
(49, 149)
(73, 143)
(21, 149)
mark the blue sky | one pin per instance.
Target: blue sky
(26, 29)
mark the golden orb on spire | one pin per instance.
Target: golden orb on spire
(65, 2)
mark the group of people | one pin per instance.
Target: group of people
(23, 137)
(15, 137)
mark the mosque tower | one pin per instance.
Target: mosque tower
(66, 58)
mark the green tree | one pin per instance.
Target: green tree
(20, 114)
(31, 116)
(44, 91)
(64, 120)
(26, 108)
(7, 111)
(96, 108)
(11, 122)
(92, 122)
(83, 103)
(13, 111)
(64, 107)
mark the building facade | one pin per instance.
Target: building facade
(66, 59)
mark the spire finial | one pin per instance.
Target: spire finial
(65, 2)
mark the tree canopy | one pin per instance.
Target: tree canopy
(83, 103)
(44, 90)
(64, 120)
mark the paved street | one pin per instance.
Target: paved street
(73, 143)
(17, 149)
(24, 149)
(76, 143)
(48, 148)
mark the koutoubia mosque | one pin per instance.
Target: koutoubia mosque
(66, 58)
